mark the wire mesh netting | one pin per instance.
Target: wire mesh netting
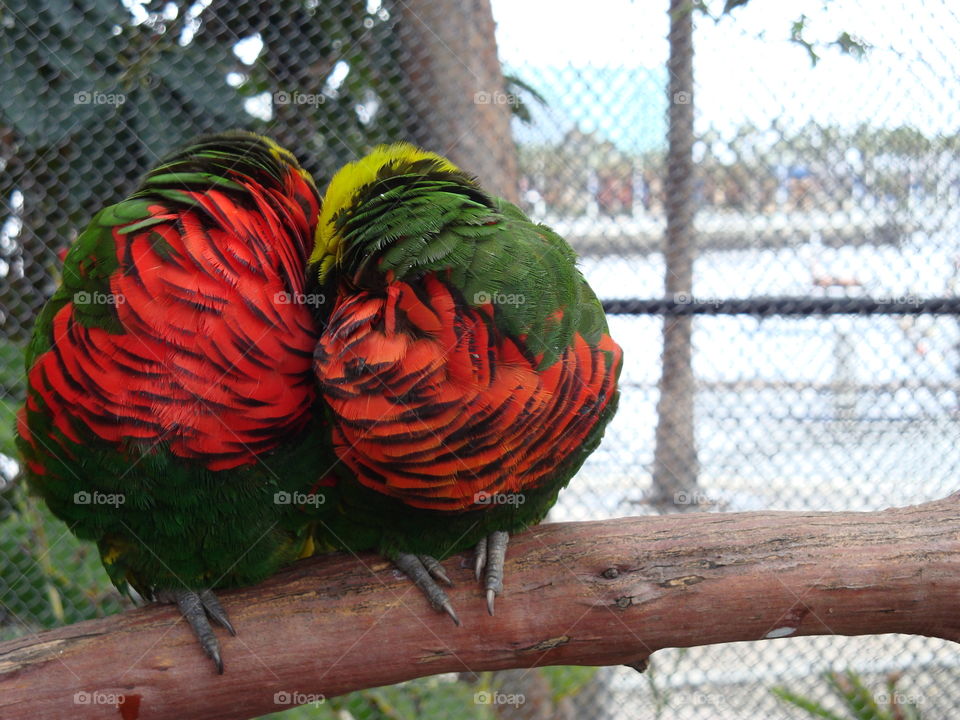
(820, 175)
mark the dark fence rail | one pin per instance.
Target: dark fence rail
(789, 306)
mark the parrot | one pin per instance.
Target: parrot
(172, 414)
(465, 364)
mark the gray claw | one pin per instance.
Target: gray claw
(195, 608)
(480, 558)
(414, 567)
(448, 609)
(490, 555)
(434, 567)
(497, 553)
(215, 610)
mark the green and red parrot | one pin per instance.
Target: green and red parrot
(172, 415)
(190, 414)
(466, 364)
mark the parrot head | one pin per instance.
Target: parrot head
(356, 182)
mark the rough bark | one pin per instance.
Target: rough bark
(457, 92)
(675, 465)
(595, 593)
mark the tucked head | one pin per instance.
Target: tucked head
(358, 182)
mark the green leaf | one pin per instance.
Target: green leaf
(732, 4)
(860, 702)
(567, 680)
(38, 590)
(803, 703)
(12, 386)
(519, 106)
(851, 45)
(855, 695)
(57, 55)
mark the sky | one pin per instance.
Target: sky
(745, 68)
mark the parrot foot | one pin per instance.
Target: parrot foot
(196, 608)
(488, 561)
(425, 571)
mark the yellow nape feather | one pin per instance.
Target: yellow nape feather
(345, 185)
(285, 156)
(280, 153)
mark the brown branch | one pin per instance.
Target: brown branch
(595, 593)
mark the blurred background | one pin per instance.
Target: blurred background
(764, 194)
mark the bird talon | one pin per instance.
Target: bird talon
(490, 555)
(419, 571)
(215, 610)
(480, 558)
(198, 609)
(434, 567)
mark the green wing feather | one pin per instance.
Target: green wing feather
(181, 521)
(493, 253)
(85, 277)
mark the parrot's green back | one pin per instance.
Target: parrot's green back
(171, 414)
(465, 360)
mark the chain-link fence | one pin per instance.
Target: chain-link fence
(821, 188)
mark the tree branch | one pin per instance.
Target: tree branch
(595, 593)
